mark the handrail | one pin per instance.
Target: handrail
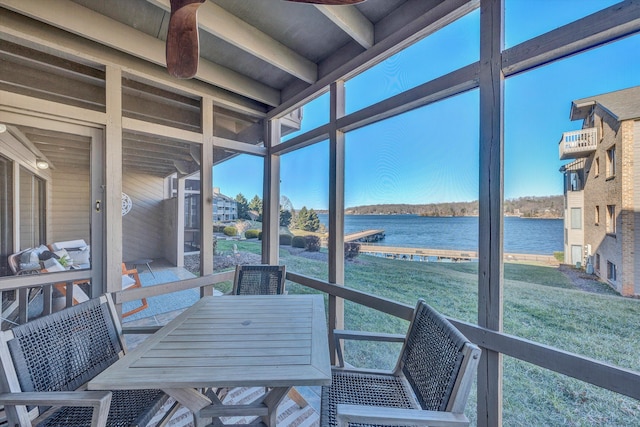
(578, 141)
(601, 374)
(29, 281)
(620, 380)
(384, 305)
(120, 297)
(598, 373)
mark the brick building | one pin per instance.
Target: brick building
(602, 188)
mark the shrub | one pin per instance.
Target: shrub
(251, 233)
(285, 239)
(230, 231)
(260, 235)
(351, 250)
(312, 243)
(298, 242)
(218, 228)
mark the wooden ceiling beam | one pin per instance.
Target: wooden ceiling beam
(153, 141)
(224, 25)
(413, 21)
(140, 152)
(79, 20)
(351, 21)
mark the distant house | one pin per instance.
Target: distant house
(224, 207)
(601, 188)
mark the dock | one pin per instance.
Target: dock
(445, 255)
(430, 255)
(366, 236)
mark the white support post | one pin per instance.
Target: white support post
(336, 208)
(271, 196)
(490, 267)
(112, 203)
(206, 188)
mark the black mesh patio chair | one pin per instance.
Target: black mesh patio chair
(259, 280)
(429, 385)
(46, 363)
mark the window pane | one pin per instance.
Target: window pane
(576, 218)
(534, 396)
(313, 114)
(525, 20)
(304, 193)
(6, 214)
(577, 304)
(415, 197)
(237, 211)
(161, 227)
(55, 203)
(32, 219)
(454, 46)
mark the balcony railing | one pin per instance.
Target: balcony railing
(601, 374)
(578, 143)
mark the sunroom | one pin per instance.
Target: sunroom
(299, 106)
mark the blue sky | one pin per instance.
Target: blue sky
(430, 154)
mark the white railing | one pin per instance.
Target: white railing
(578, 143)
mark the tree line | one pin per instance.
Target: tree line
(304, 219)
(527, 207)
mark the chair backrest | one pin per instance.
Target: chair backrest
(438, 361)
(259, 280)
(14, 262)
(61, 351)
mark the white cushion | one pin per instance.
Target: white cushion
(52, 264)
(80, 243)
(80, 256)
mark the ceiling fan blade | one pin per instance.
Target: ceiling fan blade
(182, 50)
(329, 2)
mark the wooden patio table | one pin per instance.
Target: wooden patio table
(275, 341)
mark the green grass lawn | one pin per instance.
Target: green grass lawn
(540, 304)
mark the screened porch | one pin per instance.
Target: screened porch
(299, 108)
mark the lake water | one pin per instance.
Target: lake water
(521, 235)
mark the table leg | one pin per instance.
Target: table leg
(192, 400)
(151, 271)
(272, 400)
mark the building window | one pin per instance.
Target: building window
(596, 166)
(601, 129)
(611, 162)
(597, 266)
(575, 181)
(576, 218)
(597, 216)
(611, 219)
(611, 271)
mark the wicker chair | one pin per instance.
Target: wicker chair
(46, 363)
(429, 385)
(259, 280)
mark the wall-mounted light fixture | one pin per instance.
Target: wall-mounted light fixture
(42, 164)
(3, 128)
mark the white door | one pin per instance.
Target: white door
(576, 254)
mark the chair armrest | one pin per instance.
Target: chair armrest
(142, 330)
(99, 400)
(340, 334)
(346, 414)
(367, 336)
